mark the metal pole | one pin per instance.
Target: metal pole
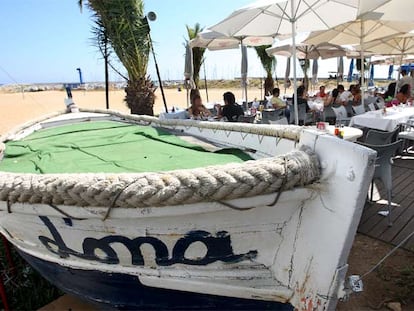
(295, 93)
(205, 80)
(362, 86)
(80, 75)
(106, 73)
(158, 74)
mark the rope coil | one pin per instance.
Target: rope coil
(132, 190)
(214, 183)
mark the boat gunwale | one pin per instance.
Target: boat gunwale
(212, 183)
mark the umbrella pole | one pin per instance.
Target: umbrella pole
(362, 63)
(399, 74)
(337, 70)
(295, 95)
(244, 72)
(188, 94)
(158, 74)
(205, 80)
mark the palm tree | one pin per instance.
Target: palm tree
(269, 64)
(123, 25)
(198, 53)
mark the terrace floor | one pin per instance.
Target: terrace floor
(402, 212)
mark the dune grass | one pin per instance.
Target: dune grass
(25, 288)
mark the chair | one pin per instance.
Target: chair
(382, 171)
(272, 115)
(360, 109)
(348, 108)
(246, 119)
(182, 114)
(303, 116)
(370, 103)
(380, 102)
(407, 133)
(372, 107)
(283, 121)
(341, 115)
(375, 137)
(329, 114)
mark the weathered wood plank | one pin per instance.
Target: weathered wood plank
(375, 225)
(407, 230)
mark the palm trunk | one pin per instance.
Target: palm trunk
(140, 96)
(269, 84)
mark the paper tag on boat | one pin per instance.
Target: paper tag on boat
(355, 283)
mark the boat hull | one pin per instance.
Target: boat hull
(125, 291)
(281, 244)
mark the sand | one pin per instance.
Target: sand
(17, 108)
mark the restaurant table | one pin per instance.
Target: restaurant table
(178, 114)
(385, 122)
(350, 133)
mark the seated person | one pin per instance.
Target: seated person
(332, 99)
(256, 103)
(389, 94)
(321, 92)
(403, 94)
(231, 109)
(197, 109)
(277, 103)
(356, 95)
(345, 96)
(302, 100)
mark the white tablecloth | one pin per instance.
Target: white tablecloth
(350, 133)
(180, 114)
(380, 121)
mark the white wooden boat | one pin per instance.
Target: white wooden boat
(275, 229)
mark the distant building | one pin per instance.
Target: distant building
(73, 86)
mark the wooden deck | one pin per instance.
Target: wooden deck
(402, 213)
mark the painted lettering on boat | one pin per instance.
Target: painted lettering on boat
(218, 248)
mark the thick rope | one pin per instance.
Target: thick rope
(2, 148)
(214, 183)
(291, 132)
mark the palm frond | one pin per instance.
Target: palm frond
(127, 31)
(268, 62)
(121, 25)
(198, 53)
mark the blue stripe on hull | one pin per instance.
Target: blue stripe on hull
(126, 292)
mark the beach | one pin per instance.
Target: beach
(20, 107)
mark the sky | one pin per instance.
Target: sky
(45, 41)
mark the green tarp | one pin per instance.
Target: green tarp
(108, 147)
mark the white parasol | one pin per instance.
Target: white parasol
(359, 32)
(283, 17)
(213, 41)
(323, 50)
(400, 46)
(188, 71)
